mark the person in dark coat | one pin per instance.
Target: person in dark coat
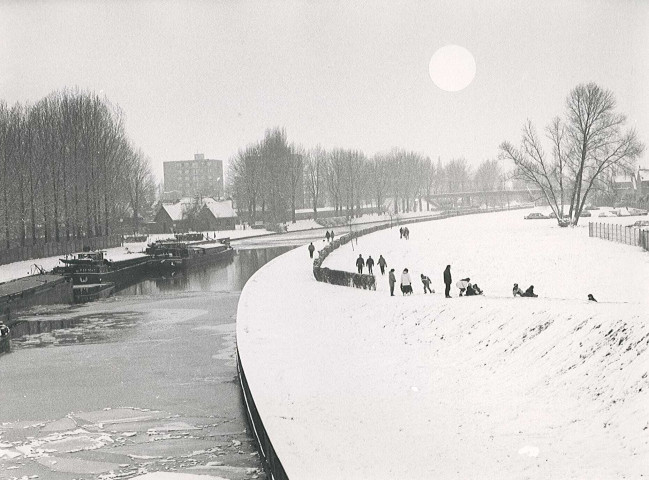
(382, 263)
(591, 298)
(447, 281)
(327, 236)
(392, 279)
(529, 292)
(426, 281)
(516, 290)
(332, 235)
(401, 232)
(311, 249)
(360, 263)
(406, 233)
(370, 264)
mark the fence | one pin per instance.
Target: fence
(52, 249)
(619, 233)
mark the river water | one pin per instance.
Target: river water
(143, 381)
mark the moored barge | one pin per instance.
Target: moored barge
(173, 255)
(93, 268)
(92, 292)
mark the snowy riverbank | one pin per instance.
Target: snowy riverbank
(358, 384)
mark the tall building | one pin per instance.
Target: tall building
(198, 177)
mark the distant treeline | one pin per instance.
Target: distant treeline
(268, 177)
(68, 170)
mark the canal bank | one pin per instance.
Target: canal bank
(355, 383)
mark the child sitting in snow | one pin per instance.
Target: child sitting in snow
(516, 290)
(462, 285)
(529, 292)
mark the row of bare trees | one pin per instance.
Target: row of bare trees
(585, 148)
(267, 178)
(68, 170)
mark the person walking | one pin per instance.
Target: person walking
(406, 233)
(401, 232)
(311, 249)
(382, 264)
(360, 263)
(392, 280)
(327, 235)
(447, 281)
(370, 264)
(426, 281)
(332, 235)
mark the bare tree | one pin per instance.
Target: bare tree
(487, 178)
(315, 164)
(295, 164)
(590, 143)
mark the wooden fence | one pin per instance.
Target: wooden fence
(620, 233)
(51, 249)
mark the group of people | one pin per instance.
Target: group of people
(369, 263)
(329, 236)
(404, 233)
(527, 293)
(406, 282)
(467, 288)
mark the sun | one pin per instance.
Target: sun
(452, 68)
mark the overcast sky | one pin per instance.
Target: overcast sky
(210, 77)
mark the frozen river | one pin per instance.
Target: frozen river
(143, 381)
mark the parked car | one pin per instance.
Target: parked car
(640, 223)
(636, 211)
(606, 213)
(534, 216)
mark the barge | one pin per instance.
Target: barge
(92, 292)
(170, 255)
(93, 268)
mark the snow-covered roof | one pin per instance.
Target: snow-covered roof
(177, 209)
(644, 174)
(174, 210)
(624, 178)
(221, 209)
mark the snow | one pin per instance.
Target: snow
(221, 209)
(357, 384)
(175, 476)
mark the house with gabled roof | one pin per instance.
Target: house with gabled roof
(217, 215)
(174, 217)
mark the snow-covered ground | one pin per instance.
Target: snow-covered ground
(499, 249)
(357, 384)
